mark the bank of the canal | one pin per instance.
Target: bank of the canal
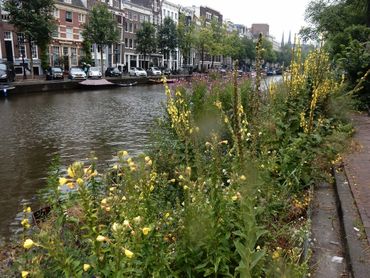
(42, 85)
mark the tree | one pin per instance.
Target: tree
(34, 19)
(233, 47)
(217, 42)
(146, 40)
(101, 29)
(185, 34)
(202, 38)
(167, 36)
(344, 25)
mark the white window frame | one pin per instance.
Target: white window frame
(81, 17)
(69, 36)
(35, 54)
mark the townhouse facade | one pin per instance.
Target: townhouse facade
(135, 16)
(15, 49)
(65, 48)
(170, 10)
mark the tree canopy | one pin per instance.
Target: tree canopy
(167, 36)
(101, 29)
(146, 39)
(344, 26)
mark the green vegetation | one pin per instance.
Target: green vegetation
(222, 192)
(146, 39)
(101, 29)
(344, 26)
(167, 38)
(34, 19)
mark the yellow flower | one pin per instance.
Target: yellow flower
(28, 209)
(147, 158)
(28, 243)
(146, 231)
(172, 180)
(104, 201)
(62, 181)
(275, 255)
(70, 172)
(86, 267)
(115, 167)
(80, 181)
(186, 187)
(25, 223)
(127, 223)
(128, 253)
(167, 215)
(234, 198)
(243, 178)
(101, 238)
(137, 219)
(24, 273)
(71, 185)
(115, 227)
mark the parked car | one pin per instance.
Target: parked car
(54, 73)
(270, 72)
(76, 73)
(137, 72)
(7, 73)
(94, 72)
(166, 71)
(154, 71)
(113, 72)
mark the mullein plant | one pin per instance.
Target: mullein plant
(222, 193)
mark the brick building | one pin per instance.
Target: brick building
(14, 48)
(66, 45)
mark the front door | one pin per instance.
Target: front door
(9, 51)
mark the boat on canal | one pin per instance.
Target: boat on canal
(103, 83)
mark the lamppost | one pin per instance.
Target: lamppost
(21, 42)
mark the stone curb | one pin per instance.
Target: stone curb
(356, 249)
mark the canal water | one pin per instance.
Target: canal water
(37, 127)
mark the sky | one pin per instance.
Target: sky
(280, 15)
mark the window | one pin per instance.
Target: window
(81, 18)
(69, 33)
(68, 16)
(119, 19)
(125, 26)
(68, 1)
(134, 17)
(130, 43)
(34, 52)
(65, 51)
(55, 55)
(208, 16)
(135, 43)
(74, 56)
(80, 36)
(135, 27)
(56, 13)
(7, 35)
(22, 50)
(126, 42)
(164, 12)
(129, 15)
(130, 27)
(172, 15)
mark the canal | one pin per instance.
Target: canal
(37, 127)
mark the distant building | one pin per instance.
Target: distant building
(154, 5)
(171, 10)
(112, 54)
(13, 46)
(258, 28)
(135, 16)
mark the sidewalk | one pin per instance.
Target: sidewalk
(352, 186)
(357, 169)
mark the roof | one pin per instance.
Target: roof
(77, 3)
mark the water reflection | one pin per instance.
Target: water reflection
(34, 128)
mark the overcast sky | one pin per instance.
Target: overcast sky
(281, 15)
